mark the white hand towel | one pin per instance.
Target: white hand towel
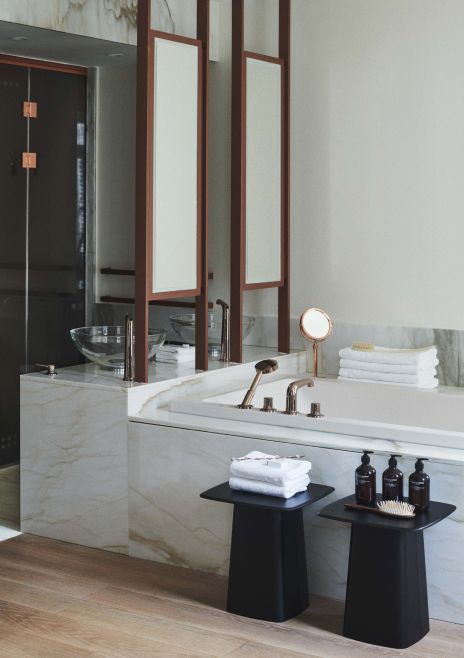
(423, 379)
(433, 383)
(388, 355)
(280, 471)
(268, 489)
(367, 366)
(180, 354)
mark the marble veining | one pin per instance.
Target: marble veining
(168, 522)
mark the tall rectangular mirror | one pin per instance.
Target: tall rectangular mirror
(176, 165)
(263, 170)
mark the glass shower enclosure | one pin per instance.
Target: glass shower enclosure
(42, 227)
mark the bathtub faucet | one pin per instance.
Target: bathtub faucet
(292, 391)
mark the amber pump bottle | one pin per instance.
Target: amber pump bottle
(392, 481)
(365, 481)
(419, 487)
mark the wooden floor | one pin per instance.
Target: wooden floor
(62, 600)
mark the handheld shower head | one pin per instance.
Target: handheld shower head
(264, 367)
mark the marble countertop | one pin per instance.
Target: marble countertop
(90, 374)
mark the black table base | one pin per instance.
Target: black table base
(268, 579)
(267, 573)
(386, 595)
(386, 592)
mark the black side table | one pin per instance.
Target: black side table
(267, 573)
(386, 592)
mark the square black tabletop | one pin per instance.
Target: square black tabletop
(436, 512)
(224, 494)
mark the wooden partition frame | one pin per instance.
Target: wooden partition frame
(144, 187)
(238, 193)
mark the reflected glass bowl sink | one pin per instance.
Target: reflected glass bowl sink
(184, 326)
(105, 345)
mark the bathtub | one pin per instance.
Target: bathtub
(379, 411)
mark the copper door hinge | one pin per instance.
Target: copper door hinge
(30, 110)
(29, 160)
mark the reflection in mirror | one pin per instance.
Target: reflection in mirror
(316, 326)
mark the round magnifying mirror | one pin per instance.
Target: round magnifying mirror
(315, 325)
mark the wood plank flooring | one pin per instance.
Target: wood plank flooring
(60, 600)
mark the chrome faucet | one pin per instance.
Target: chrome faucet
(292, 391)
(225, 331)
(129, 350)
(262, 368)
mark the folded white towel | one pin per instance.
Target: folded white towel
(280, 471)
(424, 378)
(268, 489)
(433, 383)
(175, 354)
(413, 369)
(389, 355)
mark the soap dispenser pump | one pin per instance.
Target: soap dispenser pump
(365, 481)
(419, 487)
(392, 481)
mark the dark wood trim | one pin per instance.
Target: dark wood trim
(264, 58)
(237, 254)
(173, 294)
(202, 305)
(117, 271)
(142, 184)
(261, 285)
(42, 64)
(109, 299)
(121, 271)
(284, 291)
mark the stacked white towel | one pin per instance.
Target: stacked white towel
(271, 475)
(175, 354)
(414, 367)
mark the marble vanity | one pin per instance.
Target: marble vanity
(121, 467)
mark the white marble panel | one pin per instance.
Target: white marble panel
(169, 467)
(74, 464)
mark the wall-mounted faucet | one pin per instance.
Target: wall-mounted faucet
(129, 350)
(262, 368)
(292, 391)
(225, 331)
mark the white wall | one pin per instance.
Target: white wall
(378, 160)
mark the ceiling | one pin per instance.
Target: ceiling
(61, 47)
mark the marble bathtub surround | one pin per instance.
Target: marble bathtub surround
(168, 522)
(449, 343)
(74, 473)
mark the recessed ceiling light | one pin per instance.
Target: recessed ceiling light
(19, 38)
(115, 55)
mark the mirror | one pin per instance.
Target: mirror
(263, 134)
(175, 165)
(316, 326)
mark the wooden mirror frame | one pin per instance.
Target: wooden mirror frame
(238, 153)
(144, 181)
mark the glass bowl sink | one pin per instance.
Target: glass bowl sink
(184, 326)
(105, 345)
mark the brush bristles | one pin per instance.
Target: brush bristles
(396, 508)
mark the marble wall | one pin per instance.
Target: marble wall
(169, 522)
(114, 20)
(450, 343)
